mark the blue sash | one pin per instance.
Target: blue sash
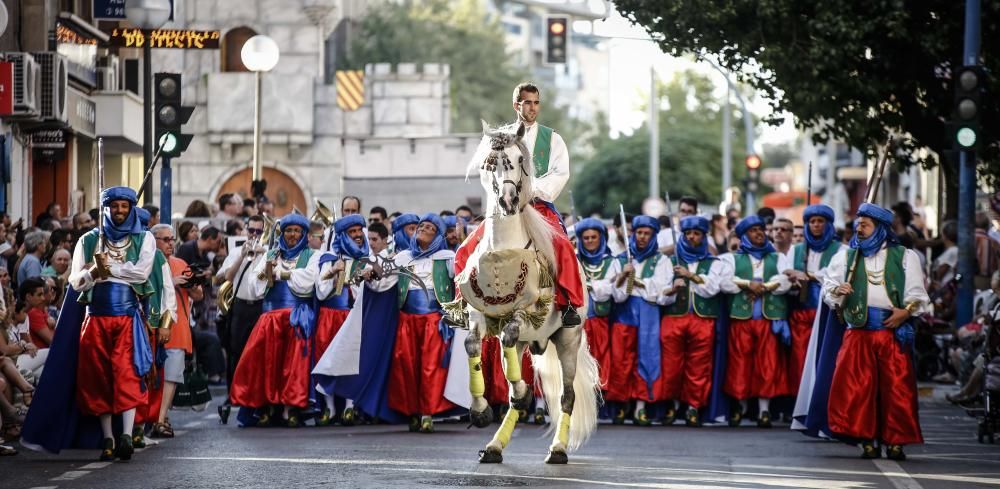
(303, 319)
(342, 301)
(639, 313)
(812, 296)
(417, 302)
(116, 299)
(904, 333)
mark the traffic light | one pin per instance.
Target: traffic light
(969, 84)
(556, 39)
(753, 171)
(169, 115)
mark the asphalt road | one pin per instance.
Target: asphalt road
(207, 454)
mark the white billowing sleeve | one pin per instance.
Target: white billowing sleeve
(601, 290)
(784, 263)
(726, 285)
(717, 274)
(325, 286)
(834, 277)
(79, 276)
(913, 290)
(550, 185)
(169, 302)
(662, 279)
(138, 272)
(303, 280)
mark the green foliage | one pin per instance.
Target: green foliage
(690, 153)
(855, 71)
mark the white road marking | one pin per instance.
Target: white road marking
(96, 465)
(192, 424)
(896, 475)
(44, 487)
(70, 475)
(210, 416)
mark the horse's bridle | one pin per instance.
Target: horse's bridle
(517, 185)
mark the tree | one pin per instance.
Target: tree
(855, 71)
(690, 153)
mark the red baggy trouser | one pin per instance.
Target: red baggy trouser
(756, 366)
(275, 365)
(497, 387)
(106, 382)
(417, 378)
(800, 322)
(624, 382)
(686, 344)
(598, 337)
(874, 390)
(328, 324)
(569, 283)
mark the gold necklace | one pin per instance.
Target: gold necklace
(593, 272)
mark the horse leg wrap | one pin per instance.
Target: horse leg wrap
(513, 367)
(502, 436)
(562, 433)
(477, 385)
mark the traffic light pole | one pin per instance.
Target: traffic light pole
(147, 118)
(967, 185)
(166, 188)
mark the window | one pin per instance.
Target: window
(232, 43)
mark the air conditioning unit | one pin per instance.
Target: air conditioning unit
(108, 73)
(55, 83)
(27, 83)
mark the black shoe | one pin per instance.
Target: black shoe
(669, 417)
(870, 451)
(764, 419)
(224, 410)
(691, 418)
(735, 416)
(571, 318)
(895, 452)
(108, 450)
(124, 450)
(138, 437)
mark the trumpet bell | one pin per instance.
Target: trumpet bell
(225, 298)
(322, 214)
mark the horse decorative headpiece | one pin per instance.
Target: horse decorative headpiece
(500, 149)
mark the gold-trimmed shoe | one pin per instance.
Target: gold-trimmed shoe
(870, 451)
(324, 418)
(108, 452)
(427, 425)
(640, 418)
(692, 418)
(414, 425)
(619, 417)
(669, 417)
(349, 418)
(764, 419)
(124, 450)
(539, 417)
(895, 452)
(138, 437)
(735, 417)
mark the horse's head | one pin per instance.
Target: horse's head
(505, 169)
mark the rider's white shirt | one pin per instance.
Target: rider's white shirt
(550, 185)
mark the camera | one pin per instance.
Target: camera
(195, 275)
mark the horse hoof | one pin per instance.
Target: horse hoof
(524, 403)
(557, 458)
(481, 419)
(491, 456)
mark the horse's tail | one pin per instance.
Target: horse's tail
(586, 386)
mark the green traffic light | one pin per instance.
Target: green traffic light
(168, 142)
(966, 137)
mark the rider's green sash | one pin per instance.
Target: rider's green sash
(543, 149)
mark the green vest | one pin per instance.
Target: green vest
(156, 280)
(856, 305)
(132, 253)
(444, 286)
(601, 309)
(775, 306)
(543, 149)
(703, 307)
(799, 258)
(648, 266)
(301, 262)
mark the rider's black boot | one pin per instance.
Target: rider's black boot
(571, 318)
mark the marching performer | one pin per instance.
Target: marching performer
(403, 228)
(419, 361)
(688, 326)
(551, 162)
(635, 333)
(600, 268)
(111, 268)
(275, 366)
(874, 393)
(756, 365)
(337, 266)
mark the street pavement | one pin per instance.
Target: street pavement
(206, 454)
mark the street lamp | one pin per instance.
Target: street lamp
(147, 15)
(259, 54)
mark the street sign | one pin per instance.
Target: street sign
(115, 10)
(130, 37)
(6, 88)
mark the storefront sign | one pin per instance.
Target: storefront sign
(115, 10)
(80, 49)
(6, 88)
(82, 113)
(126, 37)
(48, 145)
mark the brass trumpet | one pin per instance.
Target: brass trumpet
(322, 214)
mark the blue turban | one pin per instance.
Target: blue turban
(826, 212)
(131, 224)
(293, 219)
(399, 237)
(883, 230)
(746, 246)
(685, 251)
(143, 216)
(343, 244)
(642, 221)
(439, 243)
(597, 256)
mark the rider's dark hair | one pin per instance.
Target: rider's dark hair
(524, 87)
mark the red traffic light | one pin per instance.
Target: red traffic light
(557, 27)
(753, 162)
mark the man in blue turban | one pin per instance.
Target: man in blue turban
(600, 268)
(113, 343)
(873, 397)
(635, 334)
(338, 266)
(757, 364)
(403, 228)
(275, 367)
(688, 326)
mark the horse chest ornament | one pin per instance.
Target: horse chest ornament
(504, 281)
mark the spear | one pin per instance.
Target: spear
(804, 290)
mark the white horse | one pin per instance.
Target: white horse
(507, 289)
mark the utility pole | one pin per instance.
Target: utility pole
(967, 184)
(727, 150)
(654, 137)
